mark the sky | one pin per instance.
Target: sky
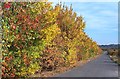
(101, 19)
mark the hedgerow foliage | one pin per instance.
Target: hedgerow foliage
(38, 37)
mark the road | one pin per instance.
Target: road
(103, 66)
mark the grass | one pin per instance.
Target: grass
(113, 53)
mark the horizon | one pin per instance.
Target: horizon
(108, 44)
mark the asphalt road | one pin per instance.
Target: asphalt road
(103, 66)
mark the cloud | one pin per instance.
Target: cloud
(115, 29)
(101, 19)
(98, 15)
(109, 13)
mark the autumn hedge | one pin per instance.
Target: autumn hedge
(40, 37)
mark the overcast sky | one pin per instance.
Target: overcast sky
(101, 19)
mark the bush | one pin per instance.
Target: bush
(37, 36)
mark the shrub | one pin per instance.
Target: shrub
(37, 36)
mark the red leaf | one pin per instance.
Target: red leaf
(7, 5)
